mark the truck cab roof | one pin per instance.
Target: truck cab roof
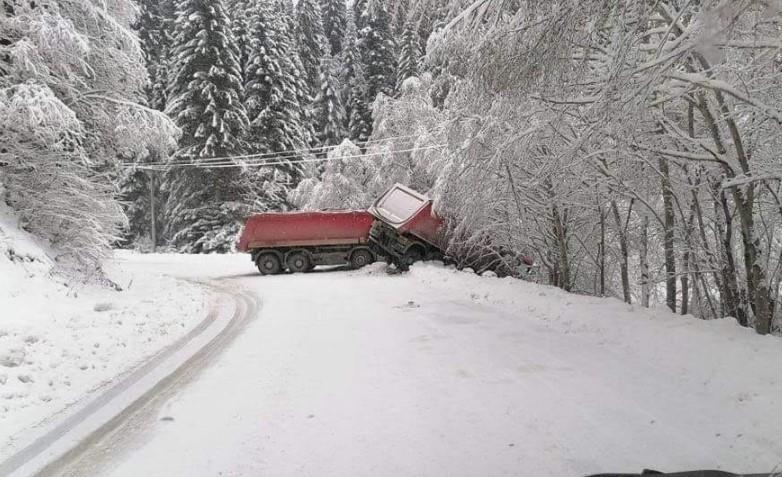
(399, 205)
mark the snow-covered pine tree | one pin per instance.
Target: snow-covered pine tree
(377, 50)
(274, 91)
(294, 69)
(360, 121)
(205, 101)
(400, 15)
(329, 110)
(334, 23)
(311, 41)
(358, 114)
(153, 27)
(409, 54)
(360, 13)
(134, 195)
(240, 27)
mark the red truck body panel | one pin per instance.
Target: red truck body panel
(410, 213)
(305, 229)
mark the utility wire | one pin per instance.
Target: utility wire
(272, 155)
(276, 162)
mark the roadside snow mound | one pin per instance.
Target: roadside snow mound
(58, 342)
(661, 338)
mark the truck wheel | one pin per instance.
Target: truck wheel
(269, 264)
(361, 258)
(298, 262)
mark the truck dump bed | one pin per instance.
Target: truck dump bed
(409, 212)
(305, 229)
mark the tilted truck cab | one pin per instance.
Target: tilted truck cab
(406, 228)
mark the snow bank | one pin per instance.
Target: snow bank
(729, 354)
(59, 342)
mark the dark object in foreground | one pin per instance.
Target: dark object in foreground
(696, 473)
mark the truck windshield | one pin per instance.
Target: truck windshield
(399, 206)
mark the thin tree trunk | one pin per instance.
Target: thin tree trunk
(562, 249)
(152, 209)
(688, 230)
(731, 297)
(645, 261)
(602, 251)
(686, 262)
(670, 223)
(622, 230)
(685, 279)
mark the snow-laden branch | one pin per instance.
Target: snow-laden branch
(703, 81)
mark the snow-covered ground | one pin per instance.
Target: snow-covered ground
(440, 372)
(61, 344)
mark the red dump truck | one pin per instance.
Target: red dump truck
(400, 226)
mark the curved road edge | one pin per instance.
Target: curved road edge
(67, 442)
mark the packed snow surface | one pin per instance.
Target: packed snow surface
(441, 372)
(61, 344)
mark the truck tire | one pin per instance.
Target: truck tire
(298, 262)
(269, 264)
(361, 258)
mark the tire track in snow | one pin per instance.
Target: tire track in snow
(82, 443)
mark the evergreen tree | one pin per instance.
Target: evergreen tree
(377, 50)
(273, 88)
(329, 110)
(360, 121)
(294, 69)
(409, 54)
(205, 92)
(400, 15)
(134, 195)
(240, 27)
(334, 23)
(311, 41)
(360, 13)
(359, 116)
(205, 85)
(153, 27)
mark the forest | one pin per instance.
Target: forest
(632, 147)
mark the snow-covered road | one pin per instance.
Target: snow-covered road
(438, 372)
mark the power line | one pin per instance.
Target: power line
(276, 162)
(274, 155)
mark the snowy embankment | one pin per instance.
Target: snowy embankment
(60, 343)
